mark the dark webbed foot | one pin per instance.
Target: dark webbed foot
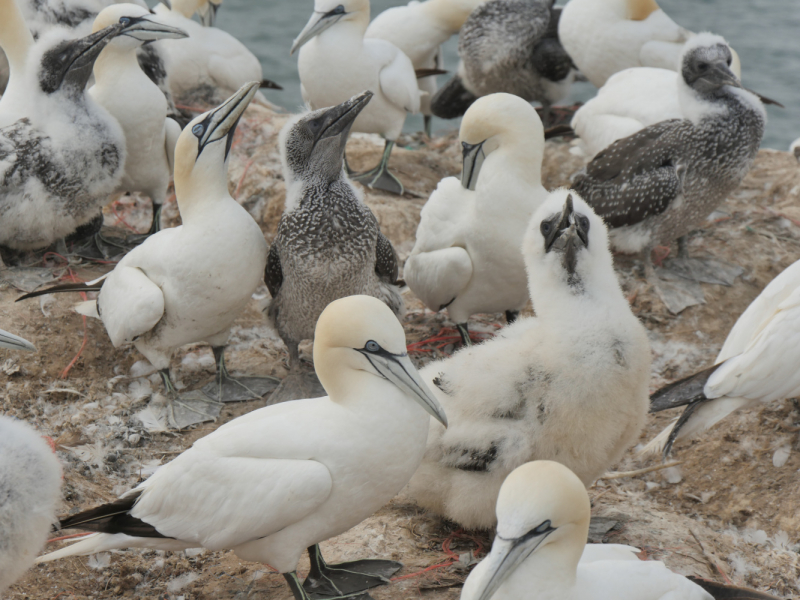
(301, 382)
(463, 331)
(226, 388)
(380, 178)
(187, 409)
(345, 579)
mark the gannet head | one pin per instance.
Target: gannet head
(138, 26)
(14, 342)
(203, 148)
(361, 334)
(639, 10)
(499, 120)
(312, 144)
(329, 12)
(452, 13)
(541, 504)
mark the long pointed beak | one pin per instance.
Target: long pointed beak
(337, 120)
(222, 120)
(14, 342)
(318, 23)
(501, 562)
(148, 29)
(722, 75)
(472, 163)
(209, 16)
(80, 57)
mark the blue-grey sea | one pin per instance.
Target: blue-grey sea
(765, 33)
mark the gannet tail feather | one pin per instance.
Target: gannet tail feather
(558, 131)
(420, 73)
(89, 286)
(658, 443)
(113, 517)
(683, 392)
(728, 592)
(452, 100)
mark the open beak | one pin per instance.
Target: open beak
(720, 74)
(567, 236)
(505, 557)
(146, 29)
(471, 167)
(77, 58)
(14, 342)
(318, 23)
(221, 122)
(337, 120)
(399, 369)
(209, 16)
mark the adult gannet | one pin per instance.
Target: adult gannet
(30, 490)
(467, 256)
(508, 46)
(543, 516)
(14, 342)
(757, 364)
(188, 284)
(122, 88)
(279, 480)
(419, 29)
(328, 244)
(569, 384)
(661, 182)
(795, 148)
(336, 62)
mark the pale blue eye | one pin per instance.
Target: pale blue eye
(198, 130)
(125, 21)
(372, 346)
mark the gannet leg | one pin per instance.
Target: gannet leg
(345, 579)
(293, 581)
(702, 270)
(463, 331)
(380, 177)
(226, 388)
(155, 226)
(511, 316)
(301, 382)
(427, 121)
(676, 293)
(347, 169)
(197, 408)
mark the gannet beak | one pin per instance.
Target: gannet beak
(399, 369)
(209, 16)
(146, 30)
(14, 342)
(221, 122)
(318, 23)
(76, 58)
(568, 236)
(337, 120)
(719, 74)
(471, 167)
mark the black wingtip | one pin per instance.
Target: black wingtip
(452, 100)
(267, 84)
(63, 288)
(682, 392)
(729, 592)
(558, 131)
(420, 73)
(113, 517)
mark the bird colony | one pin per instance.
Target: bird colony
(247, 353)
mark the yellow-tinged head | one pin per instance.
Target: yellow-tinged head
(328, 13)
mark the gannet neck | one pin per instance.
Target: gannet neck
(187, 8)
(347, 33)
(15, 37)
(639, 10)
(204, 188)
(115, 62)
(517, 155)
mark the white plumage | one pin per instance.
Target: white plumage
(569, 385)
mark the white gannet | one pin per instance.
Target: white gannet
(30, 490)
(14, 342)
(658, 184)
(757, 364)
(329, 244)
(122, 88)
(467, 256)
(335, 62)
(279, 480)
(543, 514)
(569, 385)
(188, 284)
(795, 148)
(419, 29)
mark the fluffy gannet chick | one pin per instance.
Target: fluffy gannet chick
(543, 515)
(467, 254)
(30, 489)
(509, 46)
(279, 480)
(419, 29)
(189, 283)
(570, 384)
(14, 342)
(122, 88)
(757, 364)
(329, 244)
(661, 182)
(335, 62)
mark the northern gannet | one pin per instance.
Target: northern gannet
(795, 148)
(419, 29)
(757, 364)
(279, 480)
(659, 183)
(543, 514)
(188, 284)
(467, 256)
(14, 342)
(336, 62)
(569, 385)
(30, 491)
(122, 88)
(508, 46)
(329, 244)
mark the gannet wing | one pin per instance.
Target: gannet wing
(660, 54)
(599, 552)
(386, 265)
(273, 274)
(172, 131)
(437, 277)
(399, 82)
(130, 304)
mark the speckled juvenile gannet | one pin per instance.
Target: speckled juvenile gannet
(336, 62)
(419, 29)
(543, 516)
(188, 284)
(757, 364)
(661, 182)
(281, 479)
(509, 46)
(467, 256)
(569, 385)
(328, 244)
(14, 342)
(30, 490)
(122, 88)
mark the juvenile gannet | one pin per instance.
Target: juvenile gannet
(467, 256)
(188, 284)
(335, 62)
(419, 29)
(281, 479)
(122, 88)
(14, 342)
(329, 244)
(543, 516)
(757, 364)
(569, 385)
(509, 46)
(659, 183)
(30, 490)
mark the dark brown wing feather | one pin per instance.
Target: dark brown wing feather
(113, 517)
(730, 592)
(386, 265)
(273, 274)
(681, 393)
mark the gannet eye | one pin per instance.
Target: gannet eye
(543, 528)
(124, 21)
(314, 125)
(372, 346)
(545, 228)
(583, 221)
(339, 10)
(198, 129)
(702, 66)
(729, 60)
